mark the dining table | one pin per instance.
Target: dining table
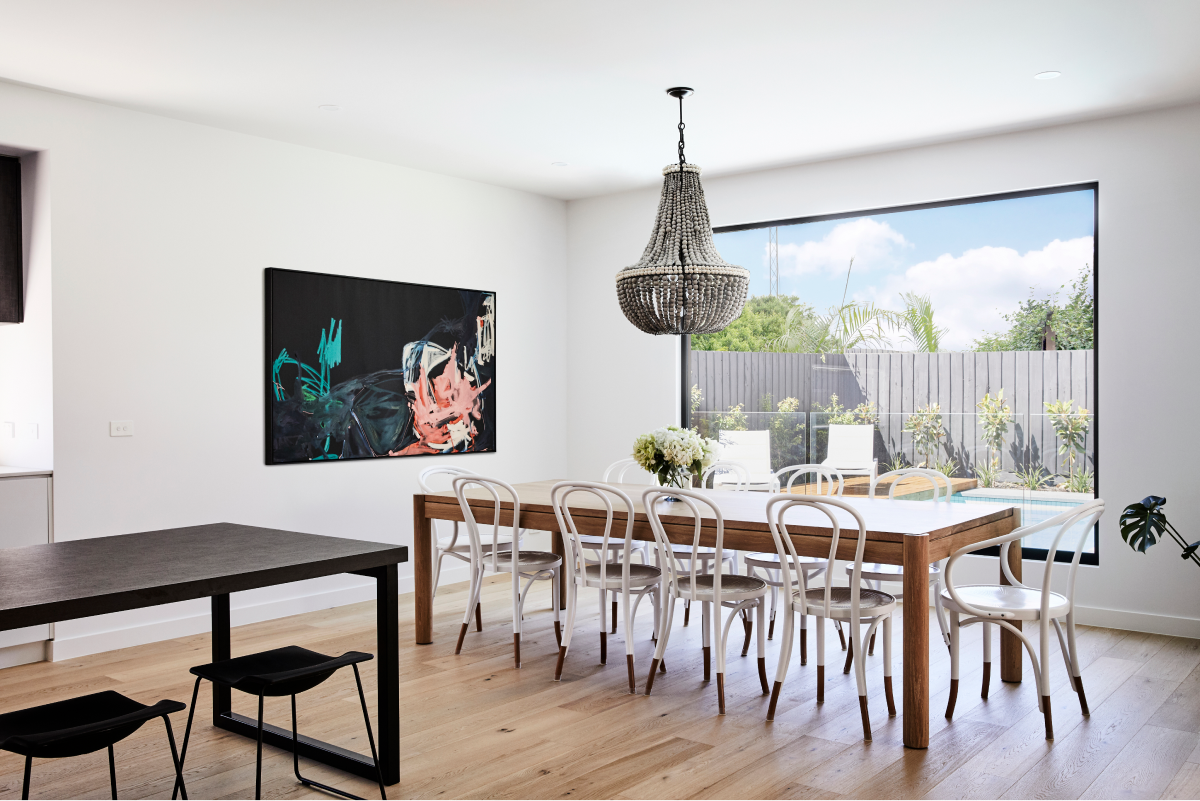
(57, 581)
(912, 534)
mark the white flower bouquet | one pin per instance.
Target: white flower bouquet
(674, 454)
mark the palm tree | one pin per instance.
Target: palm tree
(916, 323)
(851, 325)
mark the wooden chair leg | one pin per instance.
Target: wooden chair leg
(771, 628)
(721, 693)
(614, 617)
(1046, 714)
(837, 624)
(558, 632)
(604, 647)
(517, 649)
(987, 680)
(479, 617)
(462, 635)
(629, 663)
(871, 646)
(1083, 705)
(748, 625)
(866, 718)
(849, 656)
(687, 611)
(707, 662)
(803, 647)
(953, 698)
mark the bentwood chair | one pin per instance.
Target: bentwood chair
(854, 604)
(530, 565)
(719, 474)
(631, 581)
(716, 589)
(812, 566)
(619, 472)
(878, 573)
(1003, 604)
(286, 671)
(82, 726)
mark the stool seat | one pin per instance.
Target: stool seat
(78, 725)
(282, 671)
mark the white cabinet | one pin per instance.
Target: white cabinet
(25, 498)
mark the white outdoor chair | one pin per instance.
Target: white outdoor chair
(753, 450)
(622, 471)
(631, 581)
(531, 565)
(1002, 604)
(739, 593)
(852, 450)
(854, 603)
(726, 474)
(878, 572)
(812, 566)
(443, 545)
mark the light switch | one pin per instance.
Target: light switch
(120, 428)
(27, 431)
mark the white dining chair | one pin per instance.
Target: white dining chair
(813, 566)
(622, 471)
(448, 544)
(854, 604)
(716, 590)
(530, 565)
(1003, 604)
(878, 573)
(629, 581)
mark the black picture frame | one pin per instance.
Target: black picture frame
(364, 368)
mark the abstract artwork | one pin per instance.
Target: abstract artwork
(359, 368)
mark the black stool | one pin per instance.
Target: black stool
(82, 726)
(283, 671)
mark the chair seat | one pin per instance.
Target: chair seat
(540, 560)
(78, 725)
(1020, 603)
(731, 584)
(770, 561)
(280, 671)
(465, 547)
(871, 602)
(614, 543)
(685, 551)
(639, 575)
(877, 571)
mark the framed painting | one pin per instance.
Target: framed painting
(359, 368)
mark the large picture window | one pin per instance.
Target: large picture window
(961, 333)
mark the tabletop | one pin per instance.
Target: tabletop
(80, 578)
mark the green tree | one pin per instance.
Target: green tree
(1073, 323)
(761, 321)
(917, 326)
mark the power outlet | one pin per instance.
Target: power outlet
(120, 428)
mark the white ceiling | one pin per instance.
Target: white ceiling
(497, 90)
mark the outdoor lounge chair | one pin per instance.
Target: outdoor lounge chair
(753, 450)
(852, 450)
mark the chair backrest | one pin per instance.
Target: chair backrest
(822, 472)
(777, 508)
(622, 470)
(654, 502)
(724, 467)
(560, 495)
(1086, 514)
(493, 486)
(428, 481)
(930, 475)
(851, 447)
(751, 448)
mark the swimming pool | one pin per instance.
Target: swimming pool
(1035, 510)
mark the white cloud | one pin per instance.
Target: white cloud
(870, 243)
(971, 292)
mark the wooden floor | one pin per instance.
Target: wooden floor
(473, 727)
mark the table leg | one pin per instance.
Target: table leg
(222, 695)
(1010, 646)
(387, 634)
(423, 570)
(916, 641)
(557, 548)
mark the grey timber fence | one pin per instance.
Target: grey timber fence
(898, 383)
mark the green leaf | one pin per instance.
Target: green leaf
(1142, 524)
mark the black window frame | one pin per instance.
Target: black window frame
(1038, 554)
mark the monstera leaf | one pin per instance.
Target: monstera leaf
(1143, 523)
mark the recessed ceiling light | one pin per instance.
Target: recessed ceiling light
(1049, 75)
(330, 108)
(558, 164)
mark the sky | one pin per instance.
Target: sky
(976, 261)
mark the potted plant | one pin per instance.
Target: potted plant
(1144, 523)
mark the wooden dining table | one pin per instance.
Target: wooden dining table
(908, 533)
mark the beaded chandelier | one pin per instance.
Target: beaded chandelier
(681, 285)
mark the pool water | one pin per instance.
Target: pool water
(1035, 511)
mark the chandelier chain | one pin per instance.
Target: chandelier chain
(681, 127)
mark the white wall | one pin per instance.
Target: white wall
(623, 382)
(161, 232)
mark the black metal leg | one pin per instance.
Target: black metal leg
(187, 735)
(222, 696)
(362, 700)
(296, 763)
(175, 759)
(112, 772)
(387, 624)
(28, 769)
(258, 766)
